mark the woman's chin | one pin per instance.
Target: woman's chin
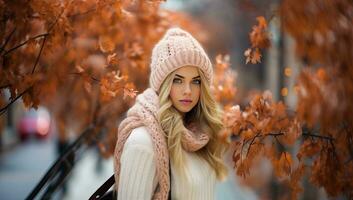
(184, 109)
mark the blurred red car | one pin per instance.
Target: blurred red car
(34, 123)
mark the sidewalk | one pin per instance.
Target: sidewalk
(22, 167)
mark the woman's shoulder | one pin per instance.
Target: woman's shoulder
(139, 137)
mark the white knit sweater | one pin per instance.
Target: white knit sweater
(138, 178)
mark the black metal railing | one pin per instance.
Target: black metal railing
(62, 167)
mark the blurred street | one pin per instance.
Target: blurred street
(23, 165)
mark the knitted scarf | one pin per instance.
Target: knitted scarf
(144, 113)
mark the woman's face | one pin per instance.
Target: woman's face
(186, 88)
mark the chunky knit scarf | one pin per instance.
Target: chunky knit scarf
(144, 113)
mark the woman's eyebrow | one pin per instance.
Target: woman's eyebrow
(180, 76)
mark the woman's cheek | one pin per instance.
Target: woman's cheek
(173, 94)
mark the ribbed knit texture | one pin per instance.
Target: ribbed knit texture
(144, 113)
(176, 49)
(138, 177)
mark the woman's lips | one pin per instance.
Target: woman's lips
(185, 102)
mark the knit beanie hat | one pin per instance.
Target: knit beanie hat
(176, 49)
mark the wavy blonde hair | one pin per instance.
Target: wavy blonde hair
(206, 113)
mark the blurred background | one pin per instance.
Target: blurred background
(30, 140)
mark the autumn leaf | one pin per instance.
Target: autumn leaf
(222, 61)
(236, 157)
(309, 149)
(259, 37)
(116, 76)
(283, 166)
(247, 54)
(294, 183)
(79, 69)
(232, 116)
(286, 162)
(253, 56)
(112, 59)
(106, 44)
(134, 51)
(261, 21)
(243, 169)
(322, 74)
(256, 56)
(129, 91)
(247, 134)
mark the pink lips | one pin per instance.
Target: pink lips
(185, 102)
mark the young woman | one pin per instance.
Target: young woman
(168, 146)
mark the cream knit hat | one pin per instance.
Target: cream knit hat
(176, 49)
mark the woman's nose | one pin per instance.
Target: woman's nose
(187, 89)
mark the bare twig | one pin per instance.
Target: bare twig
(276, 134)
(251, 143)
(279, 141)
(25, 42)
(318, 136)
(39, 54)
(45, 35)
(35, 37)
(3, 110)
(7, 40)
(56, 20)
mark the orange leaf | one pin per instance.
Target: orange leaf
(247, 54)
(262, 21)
(256, 56)
(79, 69)
(129, 92)
(106, 44)
(236, 157)
(247, 134)
(284, 165)
(112, 59)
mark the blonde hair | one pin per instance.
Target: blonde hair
(206, 113)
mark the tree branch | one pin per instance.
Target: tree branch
(279, 142)
(7, 39)
(39, 54)
(251, 143)
(25, 42)
(318, 136)
(3, 109)
(276, 134)
(56, 20)
(35, 37)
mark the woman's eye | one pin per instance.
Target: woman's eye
(177, 80)
(197, 82)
